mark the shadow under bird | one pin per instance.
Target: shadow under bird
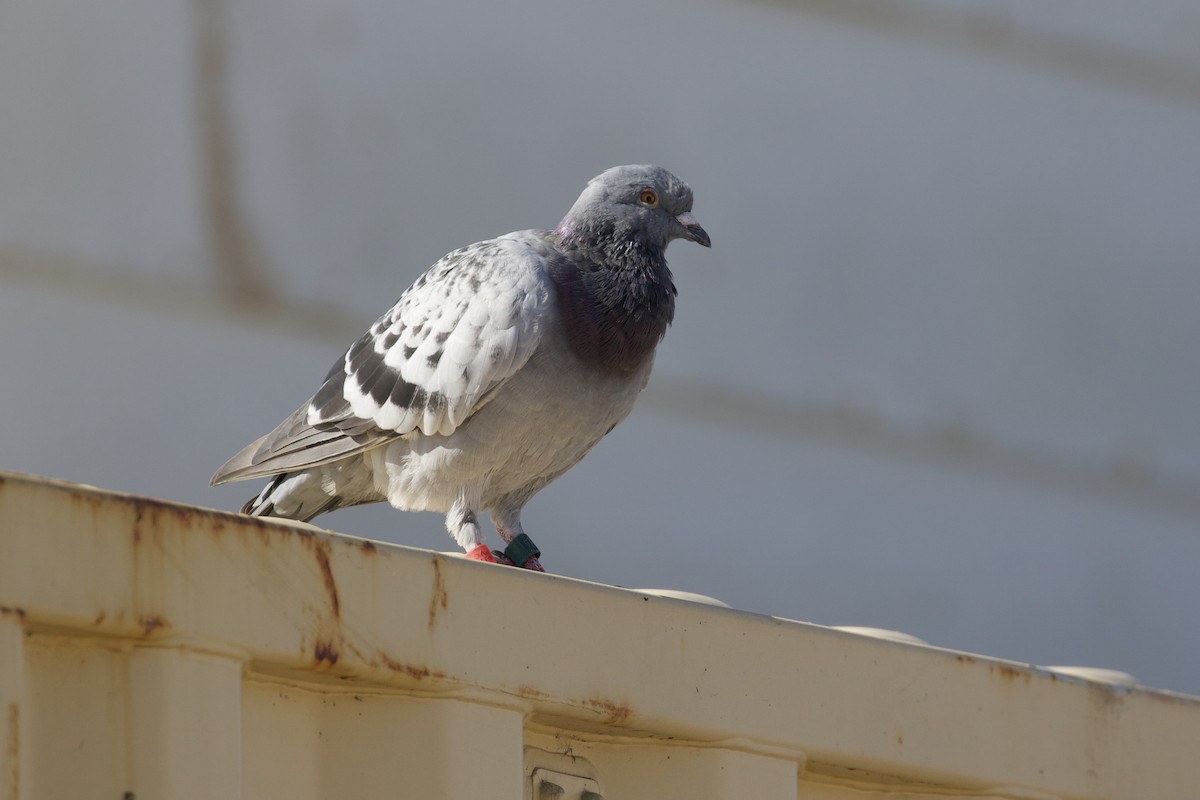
(492, 375)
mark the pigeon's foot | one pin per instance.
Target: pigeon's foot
(531, 563)
(521, 552)
(480, 552)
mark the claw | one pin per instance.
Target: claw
(531, 563)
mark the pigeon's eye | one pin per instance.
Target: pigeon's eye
(648, 197)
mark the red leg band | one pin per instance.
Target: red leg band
(480, 552)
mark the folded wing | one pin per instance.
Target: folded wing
(448, 344)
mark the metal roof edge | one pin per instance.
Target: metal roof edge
(327, 609)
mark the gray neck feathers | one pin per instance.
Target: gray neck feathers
(616, 306)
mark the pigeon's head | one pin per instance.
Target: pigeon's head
(640, 205)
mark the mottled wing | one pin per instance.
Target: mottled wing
(462, 329)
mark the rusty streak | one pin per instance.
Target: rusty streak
(325, 654)
(1011, 673)
(439, 596)
(531, 693)
(321, 549)
(148, 514)
(617, 714)
(417, 671)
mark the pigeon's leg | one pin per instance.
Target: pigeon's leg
(464, 527)
(520, 546)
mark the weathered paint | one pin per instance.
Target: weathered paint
(340, 643)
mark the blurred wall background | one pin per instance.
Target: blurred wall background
(938, 373)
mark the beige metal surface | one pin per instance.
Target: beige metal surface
(176, 652)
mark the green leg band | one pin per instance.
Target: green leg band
(521, 549)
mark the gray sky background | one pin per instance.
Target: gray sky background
(938, 372)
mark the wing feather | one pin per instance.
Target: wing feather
(451, 340)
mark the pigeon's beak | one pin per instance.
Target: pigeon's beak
(692, 230)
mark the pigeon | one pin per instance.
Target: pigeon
(492, 375)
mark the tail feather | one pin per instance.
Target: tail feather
(291, 495)
(304, 494)
(260, 505)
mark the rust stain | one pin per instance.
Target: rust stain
(439, 596)
(151, 624)
(99, 620)
(14, 750)
(530, 692)
(13, 611)
(137, 523)
(148, 515)
(385, 661)
(964, 659)
(354, 651)
(416, 671)
(262, 528)
(1009, 673)
(368, 547)
(321, 550)
(325, 654)
(89, 499)
(616, 713)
